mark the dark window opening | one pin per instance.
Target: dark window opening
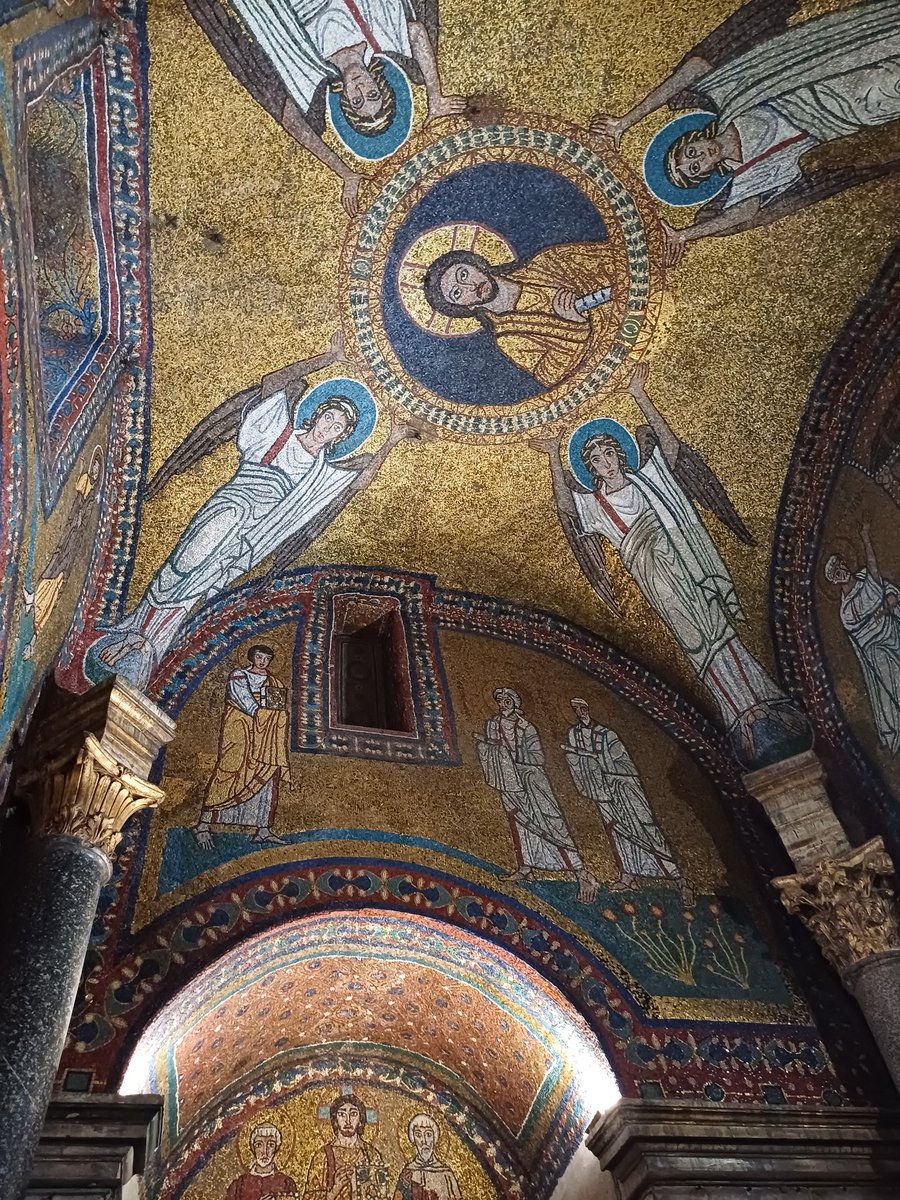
(371, 666)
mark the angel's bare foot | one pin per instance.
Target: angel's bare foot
(265, 834)
(587, 887)
(518, 875)
(204, 837)
(118, 650)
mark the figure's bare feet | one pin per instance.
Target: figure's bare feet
(518, 875)
(587, 887)
(265, 834)
(118, 650)
(204, 837)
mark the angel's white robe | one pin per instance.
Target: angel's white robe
(275, 492)
(670, 556)
(512, 761)
(874, 631)
(298, 36)
(817, 81)
(603, 771)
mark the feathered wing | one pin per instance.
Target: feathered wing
(749, 25)
(254, 72)
(818, 185)
(587, 549)
(219, 427)
(699, 482)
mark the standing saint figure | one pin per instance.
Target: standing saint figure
(870, 613)
(284, 493)
(777, 91)
(263, 1181)
(288, 53)
(512, 761)
(604, 772)
(529, 308)
(647, 516)
(425, 1177)
(338, 1168)
(243, 789)
(73, 549)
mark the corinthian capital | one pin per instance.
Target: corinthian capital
(89, 797)
(85, 762)
(848, 904)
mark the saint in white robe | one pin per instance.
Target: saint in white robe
(603, 772)
(667, 551)
(298, 36)
(433, 1180)
(815, 82)
(512, 760)
(277, 490)
(874, 631)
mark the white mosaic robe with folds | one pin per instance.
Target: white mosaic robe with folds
(603, 772)
(512, 760)
(665, 548)
(298, 36)
(269, 499)
(874, 631)
(815, 82)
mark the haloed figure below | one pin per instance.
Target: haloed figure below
(243, 790)
(512, 761)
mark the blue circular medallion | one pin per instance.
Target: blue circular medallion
(655, 171)
(384, 144)
(360, 399)
(591, 429)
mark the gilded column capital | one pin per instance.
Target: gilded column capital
(88, 797)
(848, 904)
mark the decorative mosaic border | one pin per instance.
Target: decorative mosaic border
(434, 741)
(564, 147)
(850, 375)
(12, 423)
(106, 586)
(67, 50)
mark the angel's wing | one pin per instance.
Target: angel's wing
(219, 427)
(749, 25)
(240, 54)
(588, 551)
(700, 483)
(813, 187)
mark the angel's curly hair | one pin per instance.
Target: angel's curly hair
(607, 442)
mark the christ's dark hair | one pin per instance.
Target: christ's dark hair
(339, 1102)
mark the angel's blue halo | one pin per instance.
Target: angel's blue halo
(361, 399)
(591, 429)
(655, 171)
(384, 144)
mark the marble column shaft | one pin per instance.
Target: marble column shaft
(39, 975)
(82, 773)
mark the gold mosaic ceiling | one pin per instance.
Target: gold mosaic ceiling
(248, 232)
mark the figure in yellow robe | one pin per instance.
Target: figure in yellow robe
(530, 308)
(243, 788)
(349, 1167)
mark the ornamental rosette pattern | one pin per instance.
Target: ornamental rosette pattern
(848, 904)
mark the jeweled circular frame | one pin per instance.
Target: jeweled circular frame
(635, 239)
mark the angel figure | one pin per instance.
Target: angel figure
(290, 55)
(772, 92)
(645, 510)
(285, 492)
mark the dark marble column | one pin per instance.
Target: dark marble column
(61, 878)
(81, 774)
